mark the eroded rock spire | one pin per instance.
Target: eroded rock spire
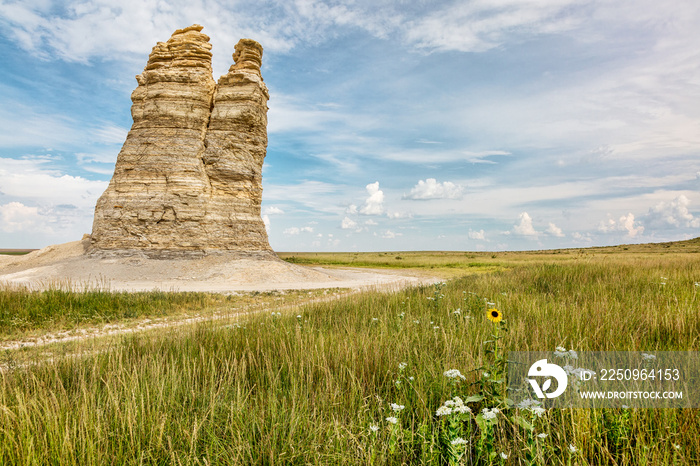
(189, 176)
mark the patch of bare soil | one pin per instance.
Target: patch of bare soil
(67, 265)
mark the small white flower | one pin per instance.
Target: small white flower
(489, 414)
(374, 428)
(528, 403)
(504, 456)
(572, 448)
(573, 354)
(298, 316)
(416, 321)
(648, 357)
(443, 411)
(411, 378)
(397, 383)
(392, 420)
(459, 441)
(676, 446)
(402, 365)
(486, 374)
(462, 409)
(538, 411)
(561, 349)
(542, 435)
(397, 407)
(457, 312)
(449, 403)
(374, 319)
(436, 327)
(402, 315)
(625, 407)
(454, 374)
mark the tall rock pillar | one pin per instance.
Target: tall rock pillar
(189, 176)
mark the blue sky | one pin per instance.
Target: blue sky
(393, 125)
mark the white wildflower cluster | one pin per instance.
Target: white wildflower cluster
(458, 312)
(459, 441)
(488, 414)
(533, 406)
(648, 357)
(454, 374)
(561, 352)
(276, 314)
(392, 420)
(542, 436)
(397, 407)
(572, 448)
(402, 366)
(454, 406)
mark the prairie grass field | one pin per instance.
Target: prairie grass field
(364, 379)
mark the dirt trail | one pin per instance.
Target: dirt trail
(67, 265)
(233, 315)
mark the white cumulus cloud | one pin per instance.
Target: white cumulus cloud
(18, 217)
(348, 224)
(624, 223)
(374, 204)
(432, 189)
(524, 227)
(390, 234)
(554, 230)
(673, 214)
(477, 234)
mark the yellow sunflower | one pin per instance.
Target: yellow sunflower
(494, 315)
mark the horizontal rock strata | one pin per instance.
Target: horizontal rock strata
(189, 176)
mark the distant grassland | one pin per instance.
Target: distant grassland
(16, 252)
(359, 380)
(455, 263)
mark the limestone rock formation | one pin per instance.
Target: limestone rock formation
(189, 176)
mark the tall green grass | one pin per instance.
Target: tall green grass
(307, 388)
(22, 309)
